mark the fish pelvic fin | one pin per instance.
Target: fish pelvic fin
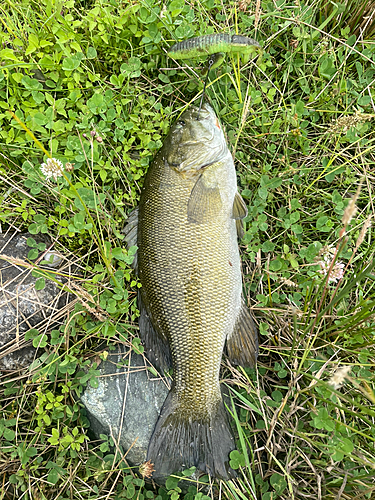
(181, 441)
(242, 343)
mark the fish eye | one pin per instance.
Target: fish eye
(181, 122)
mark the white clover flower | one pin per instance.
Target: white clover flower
(53, 168)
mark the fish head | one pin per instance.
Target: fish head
(196, 141)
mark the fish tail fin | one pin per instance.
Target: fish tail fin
(180, 442)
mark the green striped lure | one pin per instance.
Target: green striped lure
(215, 46)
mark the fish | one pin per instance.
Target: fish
(191, 302)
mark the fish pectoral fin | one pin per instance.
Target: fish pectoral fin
(131, 231)
(242, 343)
(156, 344)
(239, 211)
(204, 202)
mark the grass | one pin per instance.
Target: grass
(92, 82)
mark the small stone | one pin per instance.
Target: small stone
(126, 403)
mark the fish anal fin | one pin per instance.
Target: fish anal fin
(204, 202)
(240, 229)
(242, 343)
(180, 441)
(239, 211)
(156, 345)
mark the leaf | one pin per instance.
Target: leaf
(237, 459)
(8, 54)
(96, 104)
(323, 420)
(47, 419)
(39, 226)
(263, 193)
(70, 63)
(31, 334)
(277, 396)
(91, 53)
(275, 265)
(172, 482)
(94, 382)
(176, 7)
(327, 68)
(31, 83)
(189, 472)
(296, 228)
(33, 44)
(184, 31)
(40, 340)
(294, 217)
(31, 452)
(132, 67)
(300, 107)
(9, 434)
(33, 254)
(89, 198)
(278, 482)
(321, 222)
(130, 490)
(54, 440)
(40, 283)
(53, 476)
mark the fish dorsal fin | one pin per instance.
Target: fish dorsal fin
(242, 343)
(131, 234)
(204, 202)
(239, 210)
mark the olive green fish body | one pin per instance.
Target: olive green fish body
(189, 268)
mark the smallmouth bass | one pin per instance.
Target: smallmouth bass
(191, 300)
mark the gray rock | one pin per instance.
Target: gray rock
(22, 307)
(127, 403)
